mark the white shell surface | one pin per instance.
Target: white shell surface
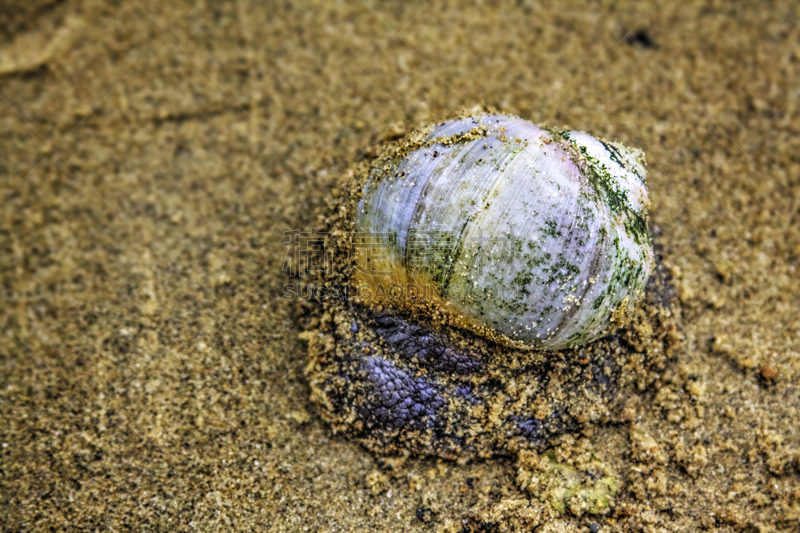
(542, 235)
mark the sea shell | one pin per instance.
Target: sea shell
(461, 257)
(531, 237)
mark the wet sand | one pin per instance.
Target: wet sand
(154, 154)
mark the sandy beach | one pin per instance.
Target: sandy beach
(152, 373)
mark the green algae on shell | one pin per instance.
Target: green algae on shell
(530, 237)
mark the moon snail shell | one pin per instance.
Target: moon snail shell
(483, 261)
(530, 237)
